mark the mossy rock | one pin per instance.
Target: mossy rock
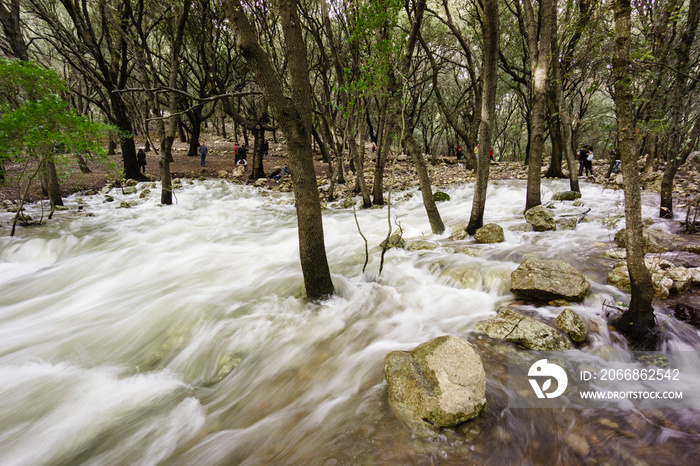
(439, 196)
(394, 241)
(566, 196)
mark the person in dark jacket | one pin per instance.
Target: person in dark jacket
(203, 149)
(582, 154)
(141, 160)
(242, 156)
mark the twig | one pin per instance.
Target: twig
(359, 230)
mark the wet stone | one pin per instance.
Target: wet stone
(574, 326)
(489, 233)
(439, 383)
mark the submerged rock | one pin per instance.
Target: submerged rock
(459, 231)
(512, 326)
(464, 276)
(567, 223)
(574, 326)
(439, 383)
(540, 218)
(420, 245)
(566, 196)
(547, 280)
(489, 233)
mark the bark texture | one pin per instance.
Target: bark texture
(638, 323)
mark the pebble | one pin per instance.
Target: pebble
(578, 443)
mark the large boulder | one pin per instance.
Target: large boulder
(439, 383)
(574, 326)
(547, 280)
(512, 326)
(489, 233)
(540, 218)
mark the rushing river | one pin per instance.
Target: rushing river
(177, 335)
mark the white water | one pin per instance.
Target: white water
(151, 334)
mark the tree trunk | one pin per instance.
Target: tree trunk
(128, 146)
(413, 149)
(674, 158)
(82, 164)
(638, 323)
(258, 170)
(357, 154)
(321, 147)
(383, 148)
(111, 145)
(555, 131)
(540, 57)
(166, 156)
(49, 182)
(9, 17)
(491, 33)
(195, 133)
(295, 118)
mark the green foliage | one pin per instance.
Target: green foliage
(376, 29)
(35, 121)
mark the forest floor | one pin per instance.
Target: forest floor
(220, 164)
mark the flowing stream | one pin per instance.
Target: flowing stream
(178, 335)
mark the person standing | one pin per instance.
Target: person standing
(582, 154)
(203, 149)
(266, 148)
(141, 160)
(615, 154)
(241, 158)
(589, 161)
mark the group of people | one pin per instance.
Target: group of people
(585, 160)
(240, 152)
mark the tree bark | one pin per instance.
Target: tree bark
(674, 158)
(49, 182)
(491, 33)
(411, 145)
(295, 119)
(539, 69)
(638, 323)
(166, 156)
(258, 170)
